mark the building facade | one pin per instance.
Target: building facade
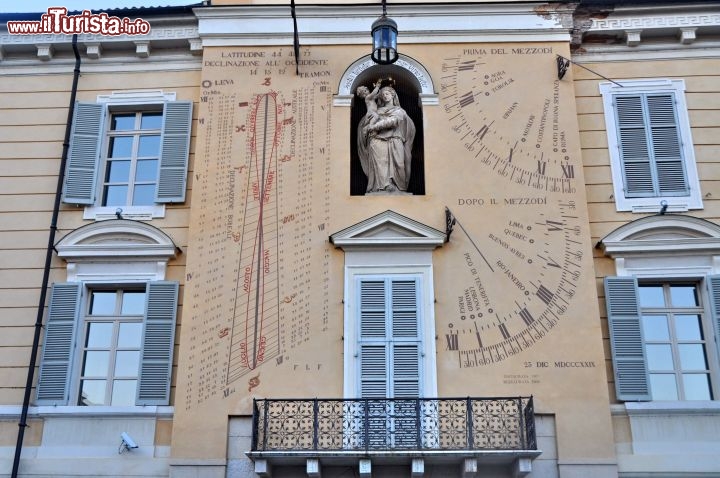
(235, 245)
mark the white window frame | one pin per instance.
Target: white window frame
(168, 164)
(426, 325)
(668, 249)
(128, 101)
(651, 204)
(114, 254)
(706, 325)
(83, 320)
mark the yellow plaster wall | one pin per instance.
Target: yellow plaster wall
(703, 101)
(242, 106)
(33, 112)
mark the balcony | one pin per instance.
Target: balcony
(470, 431)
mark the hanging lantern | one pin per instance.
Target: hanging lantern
(384, 34)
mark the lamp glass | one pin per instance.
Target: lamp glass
(384, 34)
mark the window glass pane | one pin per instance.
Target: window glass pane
(687, 327)
(663, 386)
(149, 146)
(133, 303)
(127, 363)
(146, 170)
(655, 327)
(92, 392)
(683, 296)
(696, 386)
(651, 296)
(130, 335)
(659, 357)
(123, 393)
(120, 147)
(99, 335)
(118, 172)
(692, 357)
(123, 122)
(102, 303)
(115, 196)
(95, 363)
(144, 195)
(151, 120)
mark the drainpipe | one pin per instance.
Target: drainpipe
(48, 260)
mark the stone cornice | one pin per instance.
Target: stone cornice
(638, 26)
(418, 23)
(179, 33)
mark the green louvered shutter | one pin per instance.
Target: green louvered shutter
(714, 289)
(650, 145)
(405, 334)
(626, 339)
(57, 352)
(174, 152)
(667, 146)
(389, 338)
(84, 153)
(158, 341)
(373, 341)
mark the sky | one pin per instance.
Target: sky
(35, 6)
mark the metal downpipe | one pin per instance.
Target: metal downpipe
(46, 271)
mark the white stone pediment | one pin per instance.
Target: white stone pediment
(663, 234)
(388, 229)
(116, 239)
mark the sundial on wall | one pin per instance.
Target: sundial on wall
(519, 227)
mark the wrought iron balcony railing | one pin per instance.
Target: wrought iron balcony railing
(421, 424)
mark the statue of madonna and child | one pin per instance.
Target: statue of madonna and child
(385, 139)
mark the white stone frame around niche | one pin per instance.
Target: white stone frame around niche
(428, 96)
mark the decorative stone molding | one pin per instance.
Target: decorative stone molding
(94, 50)
(388, 229)
(415, 68)
(196, 47)
(419, 23)
(687, 35)
(664, 246)
(48, 44)
(686, 24)
(648, 22)
(632, 37)
(45, 51)
(117, 239)
(142, 49)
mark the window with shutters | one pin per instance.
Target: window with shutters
(663, 308)
(128, 155)
(108, 346)
(110, 327)
(389, 341)
(663, 339)
(650, 146)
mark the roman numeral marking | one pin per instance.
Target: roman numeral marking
(545, 295)
(466, 99)
(527, 317)
(466, 65)
(482, 132)
(504, 331)
(553, 225)
(541, 167)
(452, 341)
(568, 171)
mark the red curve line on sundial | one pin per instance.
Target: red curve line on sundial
(262, 164)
